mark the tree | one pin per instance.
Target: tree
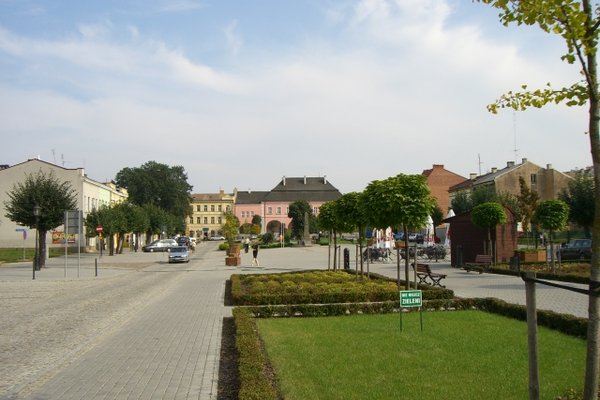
(53, 198)
(552, 215)
(158, 184)
(488, 216)
(230, 227)
(577, 23)
(402, 200)
(461, 203)
(327, 221)
(527, 201)
(579, 196)
(296, 212)
(350, 212)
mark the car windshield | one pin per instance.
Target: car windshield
(178, 250)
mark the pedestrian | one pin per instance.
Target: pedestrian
(255, 254)
(246, 244)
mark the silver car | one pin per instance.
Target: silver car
(179, 254)
(160, 245)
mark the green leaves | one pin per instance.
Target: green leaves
(488, 215)
(552, 215)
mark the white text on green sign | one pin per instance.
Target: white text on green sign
(411, 298)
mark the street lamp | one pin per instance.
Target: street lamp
(36, 259)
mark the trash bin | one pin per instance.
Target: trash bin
(346, 258)
(515, 263)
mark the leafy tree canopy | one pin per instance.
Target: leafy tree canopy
(158, 184)
(579, 196)
(552, 215)
(488, 215)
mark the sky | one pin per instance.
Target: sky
(241, 93)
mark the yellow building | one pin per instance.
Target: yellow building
(208, 214)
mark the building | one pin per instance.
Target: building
(208, 213)
(90, 195)
(439, 181)
(248, 204)
(546, 182)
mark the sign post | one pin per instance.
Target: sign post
(99, 231)
(411, 298)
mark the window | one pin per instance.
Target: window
(220, 221)
(220, 208)
(191, 220)
(198, 208)
(212, 207)
(278, 210)
(205, 220)
(212, 220)
(197, 220)
(228, 208)
(533, 179)
(205, 208)
(269, 210)
(252, 213)
(316, 210)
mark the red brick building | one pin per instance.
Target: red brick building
(440, 180)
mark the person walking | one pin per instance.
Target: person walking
(255, 254)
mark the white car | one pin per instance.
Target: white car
(216, 238)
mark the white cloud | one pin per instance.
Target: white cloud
(234, 39)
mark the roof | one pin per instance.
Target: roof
(197, 197)
(292, 189)
(250, 197)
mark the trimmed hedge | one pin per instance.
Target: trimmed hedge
(319, 287)
(252, 361)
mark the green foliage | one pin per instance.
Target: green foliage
(231, 226)
(45, 190)
(252, 361)
(257, 220)
(296, 212)
(552, 215)
(327, 216)
(461, 203)
(527, 201)
(402, 200)
(579, 196)
(158, 184)
(437, 215)
(267, 237)
(483, 194)
(488, 215)
(349, 213)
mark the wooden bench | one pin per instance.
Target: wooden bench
(424, 272)
(481, 263)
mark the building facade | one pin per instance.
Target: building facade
(90, 195)
(546, 182)
(208, 214)
(439, 181)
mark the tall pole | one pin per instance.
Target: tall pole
(36, 258)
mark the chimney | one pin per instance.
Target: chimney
(472, 176)
(325, 179)
(548, 166)
(249, 191)
(494, 170)
(305, 179)
(510, 164)
(284, 180)
(523, 161)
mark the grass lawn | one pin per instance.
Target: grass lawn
(459, 355)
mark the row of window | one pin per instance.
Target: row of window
(213, 208)
(287, 211)
(204, 220)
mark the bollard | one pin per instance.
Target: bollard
(96, 266)
(346, 258)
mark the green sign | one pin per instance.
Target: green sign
(411, 298)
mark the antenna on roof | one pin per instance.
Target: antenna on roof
(62, 159)
(479, 162)
(54, 156)
(515, 135)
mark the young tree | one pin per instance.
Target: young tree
(579, 196)
(488, 216)
(402, 200)
(577, 23)
(351, 212)
(51, 196)
(230, 227)
(296, 212)
(461, 203)
(527, 200)
(327, 221)
(552, 215)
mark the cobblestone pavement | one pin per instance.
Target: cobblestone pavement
(145, 329)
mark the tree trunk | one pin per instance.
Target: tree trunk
(591, 372)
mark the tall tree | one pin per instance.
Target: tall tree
(327, 221)
(402, 200)
(527, 200)
(461, 203)
(296, 212)
(158, 184)
(579, 195)
(53, 198)
(488, 216)
(551, 216)
(577, 23)
(351, 212)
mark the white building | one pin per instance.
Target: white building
(90, 195)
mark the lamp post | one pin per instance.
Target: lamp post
(36, 259)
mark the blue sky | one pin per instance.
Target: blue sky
(241, 93)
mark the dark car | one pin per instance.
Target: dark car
(577, 249)
(179, 254)
(183, 241)
(160, 245)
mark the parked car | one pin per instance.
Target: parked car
(160, 245)
(179, 254)
(216, 238)
(416, 237)
(577, 249)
